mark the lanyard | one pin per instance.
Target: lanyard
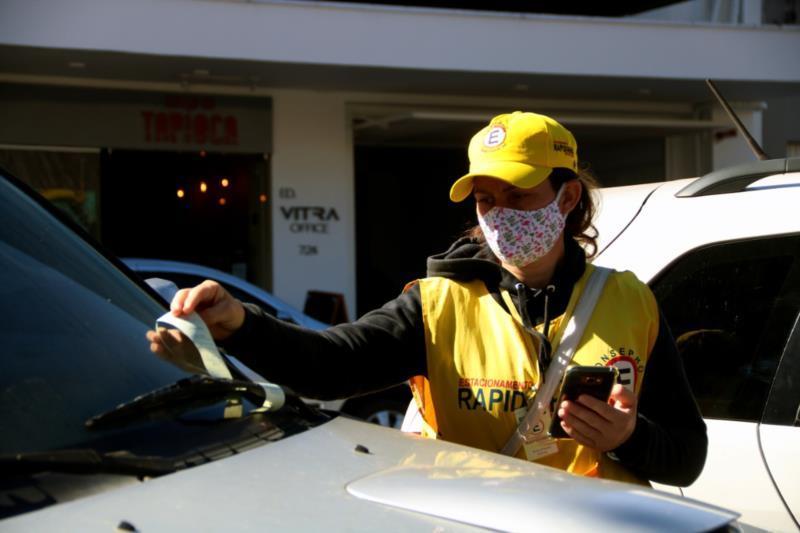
(543, 349)
(572, 333)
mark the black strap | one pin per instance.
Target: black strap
(545, 349)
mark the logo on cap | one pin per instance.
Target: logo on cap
(495, 137)
(561, 146)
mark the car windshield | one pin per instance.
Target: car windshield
(73, 331)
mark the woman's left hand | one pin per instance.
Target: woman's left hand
(599, 425)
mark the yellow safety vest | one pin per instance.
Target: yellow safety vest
(482, 363)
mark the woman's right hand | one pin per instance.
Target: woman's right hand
(222, 313)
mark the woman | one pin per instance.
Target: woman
(475, 336)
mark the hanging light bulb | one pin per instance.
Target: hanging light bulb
(203, 186)
(181, 193)
(224, 182)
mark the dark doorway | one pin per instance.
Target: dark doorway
(195, 207)
(403, 215)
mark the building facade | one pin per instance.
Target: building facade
(310, 145)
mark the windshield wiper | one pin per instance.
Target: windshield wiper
(83, 461)
(196, 391)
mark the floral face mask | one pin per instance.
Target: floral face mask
(521, 237)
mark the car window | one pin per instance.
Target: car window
(73, 328)
(184, 281)
(783, 405)
(727, 307)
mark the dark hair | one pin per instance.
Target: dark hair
(579, 221)
(579, 224)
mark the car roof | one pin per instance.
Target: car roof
(666, 225)
(617, 207)
(181, 267)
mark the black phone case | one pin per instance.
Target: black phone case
(595, 381)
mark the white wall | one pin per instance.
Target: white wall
(781, 126)
(716, 11)
(312, 166)
(728, 146)
(692, 10)
(314, 33)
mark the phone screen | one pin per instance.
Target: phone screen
(595, 381)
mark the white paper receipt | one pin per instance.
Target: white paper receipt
(196, 330)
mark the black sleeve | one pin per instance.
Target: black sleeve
(383, 348)
(669, 442)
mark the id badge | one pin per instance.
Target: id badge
(539, 429)
(537, 443)
(540, 448)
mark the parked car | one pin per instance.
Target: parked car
(100, 434)
(190, 274)
(385, 408)
(722, 255)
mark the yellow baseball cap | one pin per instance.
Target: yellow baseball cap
(519, 148)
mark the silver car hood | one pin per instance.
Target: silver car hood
(348, 475)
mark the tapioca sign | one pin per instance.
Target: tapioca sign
(189, 119)
(134, 120)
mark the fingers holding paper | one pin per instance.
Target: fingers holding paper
(222, 313)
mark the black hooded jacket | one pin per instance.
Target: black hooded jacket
(386, 347)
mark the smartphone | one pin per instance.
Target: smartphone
(595, 381)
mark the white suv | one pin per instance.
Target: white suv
(722, 255)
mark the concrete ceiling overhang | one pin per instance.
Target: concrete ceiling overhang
(453, 128)
(397, 125)
(17, 62)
